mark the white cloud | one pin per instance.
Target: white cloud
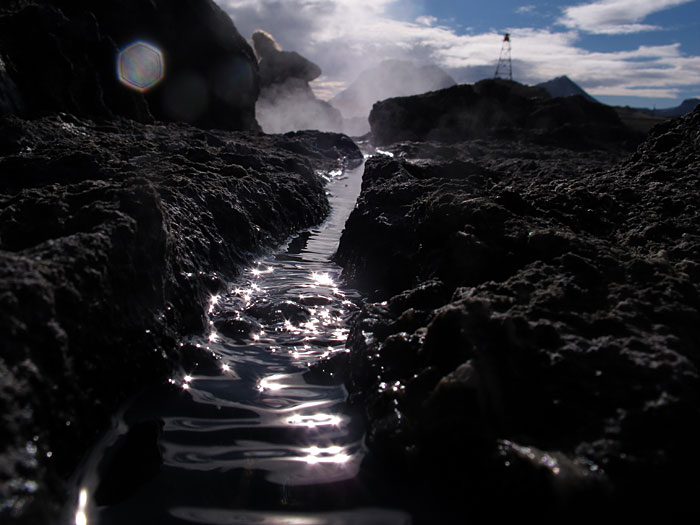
(525, 9)
(426, 20)
(615, 16)
(346, 37)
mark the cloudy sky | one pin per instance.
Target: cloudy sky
(634, 52)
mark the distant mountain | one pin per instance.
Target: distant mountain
(391, 78)
(565, 87)
(686, 107)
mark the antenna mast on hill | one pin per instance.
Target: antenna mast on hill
(505, 67)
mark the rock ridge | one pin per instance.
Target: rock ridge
(531, 337)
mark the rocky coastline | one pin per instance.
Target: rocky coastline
(532, 331)
(119, 218)
(113, 237)
(529, 342)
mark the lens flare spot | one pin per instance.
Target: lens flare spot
(140, 66)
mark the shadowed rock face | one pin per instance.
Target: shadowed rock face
(500, 109)
(113, 237)
(538, 342)
(277, 66)
(62, 55)
(287, 102)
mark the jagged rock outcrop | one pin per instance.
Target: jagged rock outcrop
(287, 102)
(535, 346)
(10, 102)
(113, 237)
(277, 66)
(500, 109)
(62, 56)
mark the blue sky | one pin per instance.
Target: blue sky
(627, 52)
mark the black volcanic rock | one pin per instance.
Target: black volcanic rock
(113, 237)
(287, 102)
(500, 109)
(62, 56)
(564, 87)
(390, 78)
(535, 347)
(277, 66)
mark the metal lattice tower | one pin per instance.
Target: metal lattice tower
(505, 67)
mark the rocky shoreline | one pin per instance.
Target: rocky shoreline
(118, 218)
(113, 237)
(531, 344)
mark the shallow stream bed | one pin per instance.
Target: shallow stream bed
(248, 440)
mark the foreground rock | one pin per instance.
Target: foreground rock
(501, 109)
(61, 55)
(287, 102)
(113, 236)
(535, 347)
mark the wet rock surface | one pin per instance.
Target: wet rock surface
(534, 326)
(501, 109)
(113, 237)
(61, 55)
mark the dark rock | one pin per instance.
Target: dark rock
(499, 109)
(194, 359)
(238, 329)
(130, 463)
(62, 56)
(287, 102)
(10, 99)
(113, 237)
(554, 364)
(272, 312)
(277, 66)
(564, 87)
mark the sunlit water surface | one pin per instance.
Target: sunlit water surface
(253, 441)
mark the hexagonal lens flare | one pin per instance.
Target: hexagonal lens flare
(140, 66)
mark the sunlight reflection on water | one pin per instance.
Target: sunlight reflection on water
(259, 421)
(369, 516)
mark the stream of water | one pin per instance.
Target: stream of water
(252, 441)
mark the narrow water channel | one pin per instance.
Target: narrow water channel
(251, 441)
